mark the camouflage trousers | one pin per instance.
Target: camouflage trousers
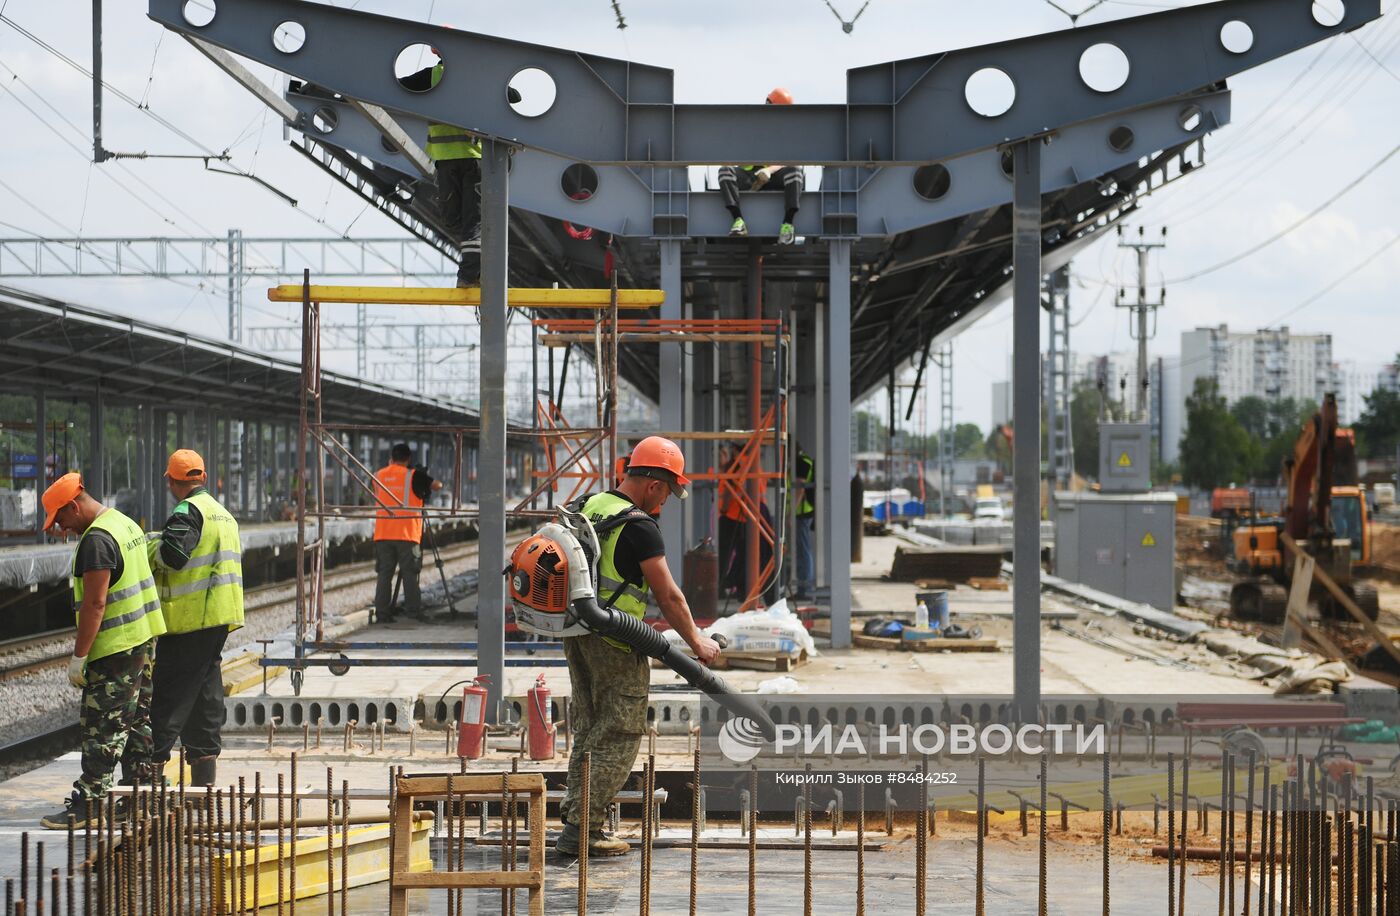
(608, 715)
(116, 719)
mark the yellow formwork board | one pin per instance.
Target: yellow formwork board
(1132, 791)
(516, 297)
(367, 861)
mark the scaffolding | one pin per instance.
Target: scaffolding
(325, 443)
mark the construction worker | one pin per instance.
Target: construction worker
(610, 680)
(118, 620)
(198, 564)
(398, 531)
(805, 476)
(456, 156)
(733, 179)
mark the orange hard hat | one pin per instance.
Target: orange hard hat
(59, 494)
(185, 464)
(780, 96)
(657, 453)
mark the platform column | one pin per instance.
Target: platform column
(838, 451)
(673, 385)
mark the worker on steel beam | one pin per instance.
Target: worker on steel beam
(118, 620)
(733, 179)
(400, 491)
(456, 155)
(610, 680)
(198, 562)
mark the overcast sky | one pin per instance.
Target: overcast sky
(1304, 127)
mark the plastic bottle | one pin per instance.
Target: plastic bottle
(921, 616)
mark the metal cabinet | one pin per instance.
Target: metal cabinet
(1123, 544)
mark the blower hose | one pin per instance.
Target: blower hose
(640, 636)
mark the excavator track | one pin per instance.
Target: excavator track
(1258, 599)
(1365, 597)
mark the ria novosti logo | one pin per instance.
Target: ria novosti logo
(741, 740)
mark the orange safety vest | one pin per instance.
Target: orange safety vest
(394, 487)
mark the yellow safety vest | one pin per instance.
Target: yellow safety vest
(133, 612)
(631, 597)
(448, 142)
(208, 592)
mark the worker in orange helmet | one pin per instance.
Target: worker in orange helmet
(609, 679)
(789, 178)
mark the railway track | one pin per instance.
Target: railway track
(256, 600)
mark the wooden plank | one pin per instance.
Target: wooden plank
(988, 644)
(452, 879)
(520, 783)
(516, 297)
(1345, 601)
(536, 825)
(986, 584)
(570, 338)
(1293, 622)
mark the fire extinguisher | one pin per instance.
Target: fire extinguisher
(541, 725)
(471, 727)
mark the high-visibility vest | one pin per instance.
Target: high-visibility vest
(208, 592)
(394, 487)
(628, 597)
(448, 142)
(133, 612)
(805, 507)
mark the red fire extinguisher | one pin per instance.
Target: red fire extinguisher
(471, 726)
(541, 723)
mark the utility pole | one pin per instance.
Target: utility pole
(1141, 308)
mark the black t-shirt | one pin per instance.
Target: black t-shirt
(640, 540)
(422, 483)
(98, 550)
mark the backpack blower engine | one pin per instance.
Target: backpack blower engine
(553, 584)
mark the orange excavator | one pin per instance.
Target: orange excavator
(1325, 515)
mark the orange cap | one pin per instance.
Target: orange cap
(59, 494)
(780, 96)
(185, 464)
(656, 453)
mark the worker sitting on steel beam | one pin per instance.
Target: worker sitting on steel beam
(118, 620)
(198, 564)
(398, 532)
(610, 680)
(733, 179)
(456, 155)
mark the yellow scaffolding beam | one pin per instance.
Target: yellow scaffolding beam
(516, 297)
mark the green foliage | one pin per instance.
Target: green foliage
(1378, 430)
(1273, 427)
(1084, 426)
(1215, 450)
(968, 442)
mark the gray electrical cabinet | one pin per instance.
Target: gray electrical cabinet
(1125, 451)
(1120, 543)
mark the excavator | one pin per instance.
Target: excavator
(1325, 514)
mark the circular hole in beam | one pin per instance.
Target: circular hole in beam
(990, 92)
(324, 119)
(931, 182)
(530, 93)
(579, 181)
(418, 68)
(1190, 118)
(198, 13)
(1007, 161)
(1120, 139)
(1104, 67)
(388, 146)
(289, 37)
(1236, 37)
(1328, 13)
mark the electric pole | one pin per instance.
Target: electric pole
(1140, 310)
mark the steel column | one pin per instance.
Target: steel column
(495, 239)
(839, 451)
(41, 454)
(97, 477)
(821, 542)
(673, 384)
(1026, 421)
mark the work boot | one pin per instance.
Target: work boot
(739, 228)
(78, 811)
(600, 843)
(787, 233)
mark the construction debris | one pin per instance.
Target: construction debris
(951, 564)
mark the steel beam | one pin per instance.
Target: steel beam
(397, 137)
(838, 472)
(673, 386)
(495, 277)
(908, 111)
(246, 78)
(1025, 335)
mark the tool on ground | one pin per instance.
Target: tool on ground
(437, 561)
